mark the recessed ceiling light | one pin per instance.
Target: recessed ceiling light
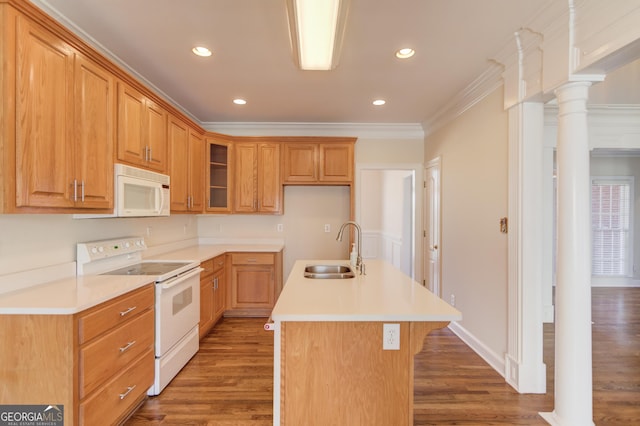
(379, 102)
(405, 53)
(239, 101)
(201, 51)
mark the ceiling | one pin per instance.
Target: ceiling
(454, 39)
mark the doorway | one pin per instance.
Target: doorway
(386, 211)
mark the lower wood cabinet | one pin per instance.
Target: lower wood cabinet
(212, 293)
(255, 283)
(98, 363)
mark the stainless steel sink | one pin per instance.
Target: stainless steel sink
(328, 272)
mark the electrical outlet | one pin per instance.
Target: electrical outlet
(391, 337)
(453, 300)
(327, 227)
(280, 227)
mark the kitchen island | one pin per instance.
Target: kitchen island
(329, 363)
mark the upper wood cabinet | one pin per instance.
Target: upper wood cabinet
(186, 149)
(142, 130)
(219, 175)
(257, 178)
(63, 117)
(318, 163)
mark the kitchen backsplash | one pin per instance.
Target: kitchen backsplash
(35, 241)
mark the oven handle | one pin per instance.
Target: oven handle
(181, 278)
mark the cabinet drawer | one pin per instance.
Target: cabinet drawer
(252, 258)
(208, 267)
(218, 263)
(115, 312)
(118, 397)
(112, 352)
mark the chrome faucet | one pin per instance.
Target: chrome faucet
(359, 263)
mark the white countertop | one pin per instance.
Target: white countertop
(383, 294)
(70, 295)
(203, 252)
(77, 293)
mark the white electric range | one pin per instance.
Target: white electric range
(177, 298)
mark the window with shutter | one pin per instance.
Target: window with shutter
(611, 213)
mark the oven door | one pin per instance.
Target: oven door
(177, 309)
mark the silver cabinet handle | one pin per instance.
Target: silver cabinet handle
(252, 260)
(127, 346)
(82, 191)
(150, 155)
(75, 190)
(129, 389)
(123, 313)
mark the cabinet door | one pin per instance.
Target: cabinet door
(268, 179)
(156, 136)
(219, 176)
(178, 135)
(219, 295)
(300, 162)
(196, 172)
(94, 139)
(252, 286)
(206, 305)
(336, 163)
(246, 163)
(131, 128)
(44, 118)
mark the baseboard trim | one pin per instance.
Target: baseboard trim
(496, 362)
(614, 282)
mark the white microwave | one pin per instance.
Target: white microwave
(138, 193)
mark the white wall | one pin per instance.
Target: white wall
(474, 177)
(306, 210)
(33, 241)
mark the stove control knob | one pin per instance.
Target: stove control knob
(139, 243)
(101, 249)
(94, 250)
(127, 244)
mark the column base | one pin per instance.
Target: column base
(554, 420)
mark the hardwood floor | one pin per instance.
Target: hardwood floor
(229, 382)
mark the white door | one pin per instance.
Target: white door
(431, 240)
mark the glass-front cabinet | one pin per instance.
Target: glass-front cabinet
(219, 182)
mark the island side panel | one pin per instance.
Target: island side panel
(337, 373)
(38, 361)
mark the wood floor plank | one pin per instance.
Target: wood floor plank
(230, 380)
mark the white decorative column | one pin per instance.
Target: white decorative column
(573, 379)
(524, 366)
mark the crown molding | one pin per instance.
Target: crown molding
(359, 130)
(485, 84)
(87, 38)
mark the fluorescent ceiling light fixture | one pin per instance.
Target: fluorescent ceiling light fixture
(317, 29)
(405, 53)
(239, 101)
(379, 102)
(201, 51)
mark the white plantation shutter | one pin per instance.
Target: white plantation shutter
(611, 210)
